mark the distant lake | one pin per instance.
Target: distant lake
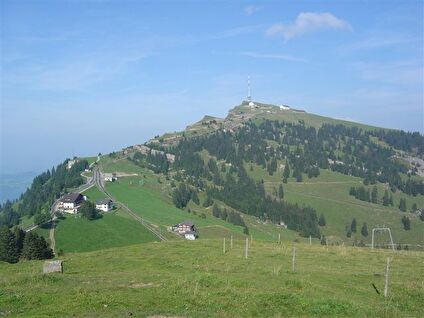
(13, 184)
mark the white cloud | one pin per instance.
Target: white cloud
(274, 56)
(249, 10)
(307, 22)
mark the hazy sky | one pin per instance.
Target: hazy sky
(82, 77)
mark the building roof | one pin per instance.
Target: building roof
(104, 201)
(188, 223)
(190, 233)
(71, 197)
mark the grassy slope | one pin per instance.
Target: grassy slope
(76, 234)
(195, 279)
(329, 194)
(93, 194)
(151, 200)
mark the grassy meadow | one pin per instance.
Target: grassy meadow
(195, 279)
(76, 234)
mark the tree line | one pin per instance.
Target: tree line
(16, 244)
(44, 190)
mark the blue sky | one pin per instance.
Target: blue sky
(82, 77)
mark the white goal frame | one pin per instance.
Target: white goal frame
(382, 229)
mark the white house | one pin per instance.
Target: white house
(110, 177)
(71, 202)
(104, 205)
(190, 235)
(284, 107)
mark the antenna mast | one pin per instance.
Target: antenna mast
(249, 96)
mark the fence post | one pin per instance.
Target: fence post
(294, 259)
(386, 277)
(310, 240)
(247, 247)
(231, 242)
(224, 246)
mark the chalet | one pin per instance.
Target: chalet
(104, 205)
(190, 235)
(186, 229)
(71, 202)
(183, 227)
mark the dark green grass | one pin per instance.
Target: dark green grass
(76, 234)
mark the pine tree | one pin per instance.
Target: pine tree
(35, 247)
(88, 210)
(414, 208)
(208, 201)
(195, 198)
(323, 240)
(281, 192)
(386, 200)
(9, 251)
(374, 195)
(402, 205)
(321, 220)
(406, 223)
(364, 229)
(353, 226)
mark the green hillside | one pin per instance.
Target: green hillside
(195, 279)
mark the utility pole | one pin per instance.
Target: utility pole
(310, 240)
(247, 247)
(231, 242)
(224, 246)
(294, 259)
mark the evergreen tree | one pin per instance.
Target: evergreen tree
(402, 205)
(208, 201)
(374, 195)
(386, 200)
(321, 220)
(281, 191)
(89, 211)
(406, 223)
(353, 226)
(364, 229)
(323, 240)
(414, 208)
(216, 212)
(195, 198)
(9, 251)
(35, 247)
(286, 172)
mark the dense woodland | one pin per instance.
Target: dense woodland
(302, 151)
(45, 189)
